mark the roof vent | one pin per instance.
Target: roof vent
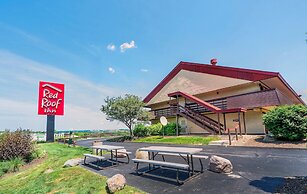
(213, 62)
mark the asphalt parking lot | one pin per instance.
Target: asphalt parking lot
(256, 170)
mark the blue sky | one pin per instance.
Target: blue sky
(66, 41)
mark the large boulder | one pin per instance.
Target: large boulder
(116, 183)
(73, 162)
(141, 154)
(121, 153)
(219, 164)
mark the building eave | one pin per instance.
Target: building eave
(232, 72)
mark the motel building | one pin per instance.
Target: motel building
(210, 99)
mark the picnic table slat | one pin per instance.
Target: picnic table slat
(107, 147)
(167, 149)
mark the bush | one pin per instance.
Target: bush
(37, 153)
(17, 144)
(140, 130)
(16, 163)
(10, 165)
(120, 139)
(155, 129)
(170, 129)
(287, 122)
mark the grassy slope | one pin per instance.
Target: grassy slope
(194, 140)
(61, 180)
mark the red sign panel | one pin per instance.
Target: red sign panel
(51, 98)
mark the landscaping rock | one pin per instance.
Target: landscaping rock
(72, 162)
(219, 164)
(116, 183)
(268, 138)
(141, 155)
(48, 171)
(121, 155)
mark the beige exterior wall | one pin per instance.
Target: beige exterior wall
(231, 91)
(194, 83)
(254, 123)
(242, 89)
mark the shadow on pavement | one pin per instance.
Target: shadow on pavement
(268, 184)
(163, 174)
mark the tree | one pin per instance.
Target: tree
(127, 109)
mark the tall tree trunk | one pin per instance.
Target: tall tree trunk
(131, 132)
(130, 128)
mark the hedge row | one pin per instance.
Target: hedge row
(141, 130)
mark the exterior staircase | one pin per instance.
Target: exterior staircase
(192, 111)
(201, 120)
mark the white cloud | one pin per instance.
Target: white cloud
(111, 70)
(144, 70)
(19, 93)
(111, 47)
(126, 45)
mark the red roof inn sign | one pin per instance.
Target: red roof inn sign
(51, 98)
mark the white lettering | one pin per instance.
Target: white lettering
(48, 94)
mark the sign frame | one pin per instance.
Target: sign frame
(51, 98)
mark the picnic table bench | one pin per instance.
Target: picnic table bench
(163, 154)
(176, 151)
(93, 156)
(115, 152)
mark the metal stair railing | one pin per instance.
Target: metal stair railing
(196, 117)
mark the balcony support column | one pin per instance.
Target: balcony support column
(239, 119)
(224, 118)
(219, 123)
(177, 119)
(177, 128)
(244, 124)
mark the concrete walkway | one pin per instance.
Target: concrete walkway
(256, 170)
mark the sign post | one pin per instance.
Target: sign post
(50, 103)
(50, 128)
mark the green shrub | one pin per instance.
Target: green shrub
(41, 141)
(5, 166)
(170, 129)
(10, 165)
(16, 163)
(155, 129)
(37, 153)
(16, 144)
(140, 130)
(287, 122)
(121, 139)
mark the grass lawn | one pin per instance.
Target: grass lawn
(61, 180)
(194, 140)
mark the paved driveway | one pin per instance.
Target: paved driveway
(256, 170)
